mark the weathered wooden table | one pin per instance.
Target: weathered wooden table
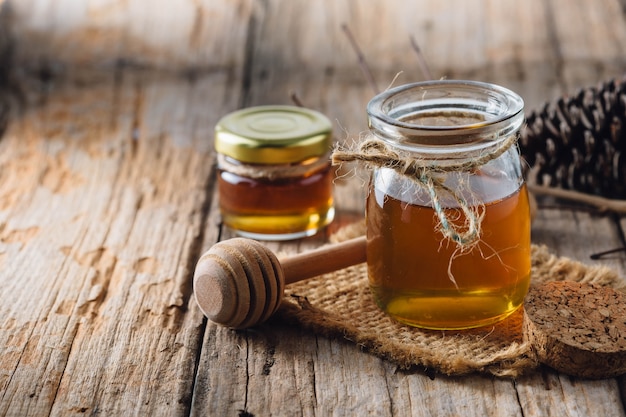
(107, 195)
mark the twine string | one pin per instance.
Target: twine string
(375, 153)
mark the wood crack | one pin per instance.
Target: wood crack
(553, 38)
(248, 65)
(7, 46)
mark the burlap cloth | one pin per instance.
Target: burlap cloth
(339, 304)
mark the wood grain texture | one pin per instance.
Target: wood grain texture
(96, 241)
(107, 195)
(104, 179)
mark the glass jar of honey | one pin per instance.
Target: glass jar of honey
(448, 219)
(274, 174)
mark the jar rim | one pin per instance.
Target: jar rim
(486, 112)
(376, 104)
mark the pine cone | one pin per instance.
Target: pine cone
(578, 142)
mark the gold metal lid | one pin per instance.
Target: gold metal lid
(273, 134)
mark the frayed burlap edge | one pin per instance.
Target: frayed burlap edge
(339, 305)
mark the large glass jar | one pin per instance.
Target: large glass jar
(448, 218)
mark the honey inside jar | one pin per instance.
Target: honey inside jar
(286, 206)
(420, 278)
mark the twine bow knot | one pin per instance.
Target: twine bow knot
(375, 153)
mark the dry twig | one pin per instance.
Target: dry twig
(420, 58)
(362, 61)
(601, 203)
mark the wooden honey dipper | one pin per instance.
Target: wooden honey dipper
(239, 282)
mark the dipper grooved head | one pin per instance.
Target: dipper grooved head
(238, 283)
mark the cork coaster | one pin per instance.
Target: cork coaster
(339, 304)
(578, 329)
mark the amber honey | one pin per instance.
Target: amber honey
(275, 180)
(286, 207)
(420, 278)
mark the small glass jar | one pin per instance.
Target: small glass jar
(274, 174)
(448, 224)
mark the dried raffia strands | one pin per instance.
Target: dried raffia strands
(376, 154)
(339, 305)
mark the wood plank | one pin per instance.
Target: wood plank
(593, 54)
(287, 369)
(103, 205)
(96, 227)
(443, 396)
(200, 34)
(550, 394)
(106, 198)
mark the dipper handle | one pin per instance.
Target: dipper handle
(239, 282)
(323, 260)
